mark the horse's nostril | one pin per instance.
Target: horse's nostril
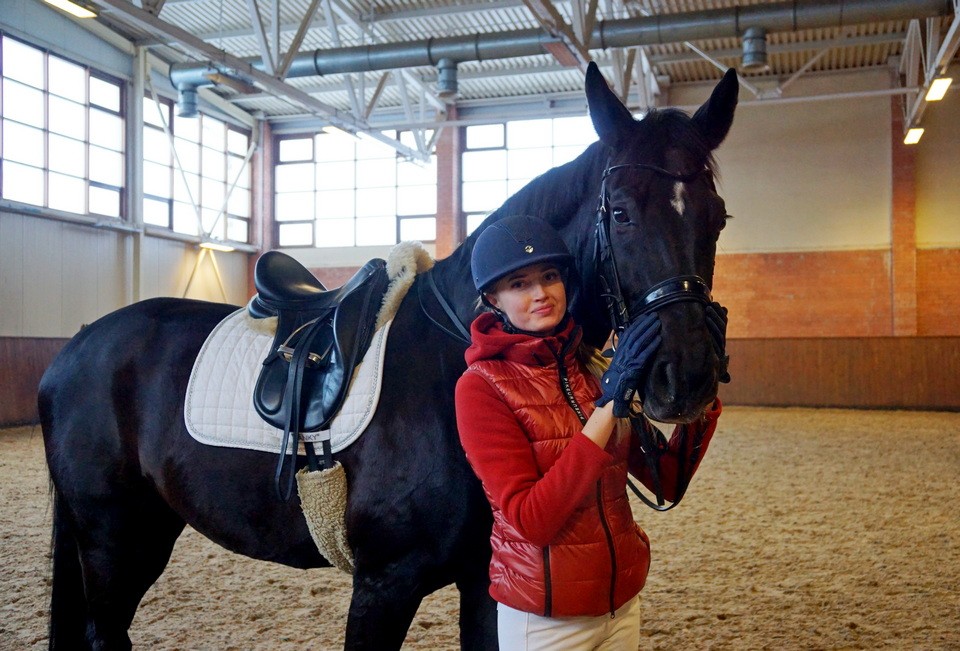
(663, 377)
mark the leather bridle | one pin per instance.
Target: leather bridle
(671, 290)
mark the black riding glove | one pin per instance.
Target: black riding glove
(717, 325)
(635, 348)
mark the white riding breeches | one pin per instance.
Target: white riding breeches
(520, 631)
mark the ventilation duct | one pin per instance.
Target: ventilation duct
(447, 88)
(630, 32)
(754, 50)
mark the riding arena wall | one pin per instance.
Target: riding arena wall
(841, 266)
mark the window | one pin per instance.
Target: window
(335, 190)
(202, 184)
(61, 133)
(499, 159)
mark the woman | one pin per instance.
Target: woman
(568, 560)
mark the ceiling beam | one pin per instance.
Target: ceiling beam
(145, 20)
(297, 41)
(253, 9)
(939, 54)
(415, 81)
(567, 48)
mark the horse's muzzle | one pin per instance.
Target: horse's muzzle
(680, 387)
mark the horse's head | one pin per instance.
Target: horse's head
(665, 217)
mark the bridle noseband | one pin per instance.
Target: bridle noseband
(672, 290)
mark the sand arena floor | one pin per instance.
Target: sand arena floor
(804, 529)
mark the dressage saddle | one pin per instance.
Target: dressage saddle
(321, 337)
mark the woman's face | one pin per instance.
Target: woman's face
(533, 298)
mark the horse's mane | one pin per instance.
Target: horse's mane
(554, 194)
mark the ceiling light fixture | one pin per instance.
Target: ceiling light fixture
(78, 8)
(938, 89)
(913, 136)
(216, 245)
(337, 131)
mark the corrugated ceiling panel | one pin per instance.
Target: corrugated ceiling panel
(227, 24)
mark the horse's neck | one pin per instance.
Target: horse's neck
(569, 197)
(566, 196)
(456, 283)
(562, 194)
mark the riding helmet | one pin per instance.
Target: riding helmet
(513, 243)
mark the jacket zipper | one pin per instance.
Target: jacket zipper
(613, 554)
(567, 391)
(548, 586)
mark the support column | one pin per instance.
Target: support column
(141, 68)
(450, 226)
(903, 228)
(261, 220)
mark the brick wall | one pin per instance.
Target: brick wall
(938, 292)
(903, 228)
(809, 294)
(836, 294)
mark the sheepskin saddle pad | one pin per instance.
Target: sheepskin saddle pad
(219, 403)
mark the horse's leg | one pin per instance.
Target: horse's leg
(126, 554)
(123, 540)
(67, 621)
(381, 610)
(478, 610)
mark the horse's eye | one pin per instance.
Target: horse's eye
(620, 215)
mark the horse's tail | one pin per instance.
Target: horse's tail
(67, 599)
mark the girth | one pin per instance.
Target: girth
(321, 336)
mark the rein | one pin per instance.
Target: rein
(462, 334)
(672, 290)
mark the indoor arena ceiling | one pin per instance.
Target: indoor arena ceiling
(512, 58)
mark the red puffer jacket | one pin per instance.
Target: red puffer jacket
(564, 539)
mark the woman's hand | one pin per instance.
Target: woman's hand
(634, 351)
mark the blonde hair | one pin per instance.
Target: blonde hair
(591, 358)
(596, 364)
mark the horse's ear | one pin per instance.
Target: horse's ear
(610, 117)
(716, 115)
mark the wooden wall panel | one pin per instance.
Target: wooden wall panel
(22, 363)
(867, 372)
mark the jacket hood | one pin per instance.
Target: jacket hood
(490, 341)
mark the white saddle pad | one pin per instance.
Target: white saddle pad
(219, 405)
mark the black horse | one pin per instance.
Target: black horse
(127, 476)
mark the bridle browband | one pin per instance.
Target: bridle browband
(672, 290)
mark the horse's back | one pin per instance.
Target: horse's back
(154, 328)
(130, 362)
